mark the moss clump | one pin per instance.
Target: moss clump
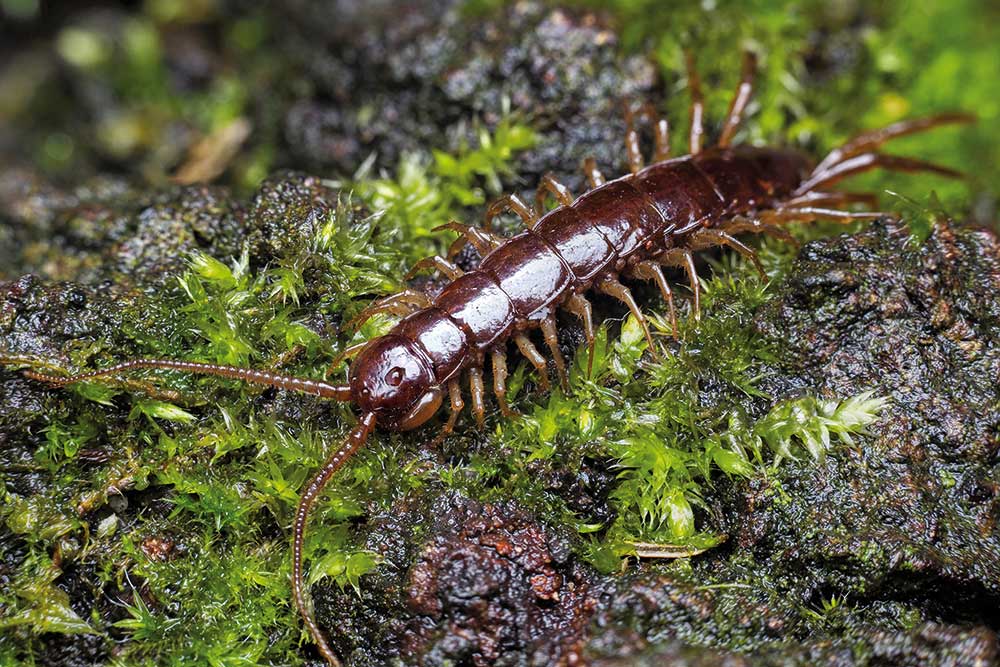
(206, 568)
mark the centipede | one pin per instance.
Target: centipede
(655, 216)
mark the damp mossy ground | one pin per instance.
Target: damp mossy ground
(154, 517)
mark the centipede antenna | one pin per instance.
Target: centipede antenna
(354, 441)
(872, 139)
(251, 376)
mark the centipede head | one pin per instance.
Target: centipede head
(393, 380)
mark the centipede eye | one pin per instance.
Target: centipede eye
(395, 377)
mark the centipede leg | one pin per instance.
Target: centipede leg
(435, 262)
(550, 184)
(529, 350)
(633, 152)
(612, 287)
(684, 258)
(661, 139)
(483, 241)
(740, 224)
(811, 213)
(401, 303)
(499, 358)
(661, 136)
(513, 203)
(551, 334)
(706, 238)
(740, 100)
(580, 307)
(835, 198)
(863, 162)
(455, 398)
(697, 104)
(593, 174)
(478, 393)
(873, 139)
(647, 270)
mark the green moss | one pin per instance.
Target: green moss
(871, 65)
(674, 423)
(427, 193)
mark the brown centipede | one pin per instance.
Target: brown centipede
(655, 216)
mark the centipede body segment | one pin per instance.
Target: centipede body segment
(628, 228)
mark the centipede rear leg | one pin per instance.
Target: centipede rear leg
(811, 214)
(835, 198)
(858, 164)
(872, 139)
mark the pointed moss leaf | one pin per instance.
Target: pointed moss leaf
(107, 526)
(856, 412)
(681, 516)
(99, 393)
(810, 421)
(38, 519)
(51, 615)
(730, 462)
(49, 609)
(343, 567)
(161, 410)
(603, 556)
(212, 269)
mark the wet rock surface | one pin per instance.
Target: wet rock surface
(394, 80)
(483, 584)
(915, 511)
(108, 230)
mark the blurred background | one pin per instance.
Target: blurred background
(229, 91)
